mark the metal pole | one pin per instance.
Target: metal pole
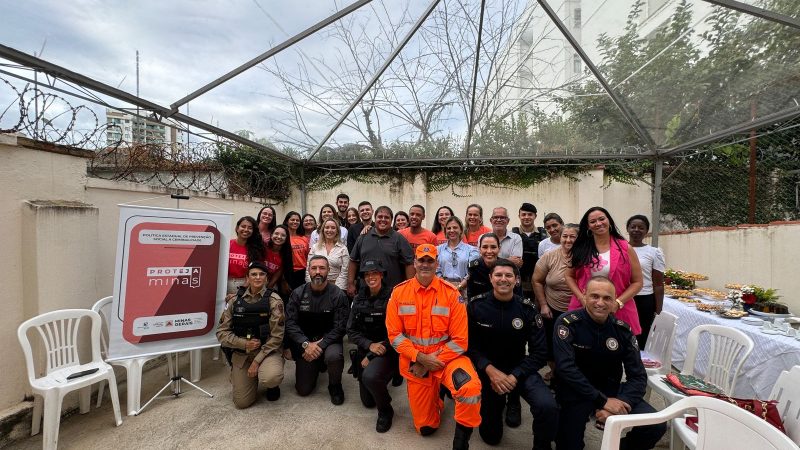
(303, 190)
(751, 183)
(656, 216)
(475, 80)
(377, 75)
(758, 12)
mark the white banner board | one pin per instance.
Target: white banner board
(169, 280)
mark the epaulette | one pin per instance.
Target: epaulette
(528, 302)
(403, 282)
(622, 324)
(570, 318)
(478, 297)
(474, 263)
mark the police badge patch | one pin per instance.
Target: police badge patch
(539, 321)
(612, 344)
(516, 323)
(563, 332)
(461, 299)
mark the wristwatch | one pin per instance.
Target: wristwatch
(621, 305)
(305, 345)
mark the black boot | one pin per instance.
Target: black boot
(273, 394)
(461, 438)
(384, 420)
(427, 431)
(337, 393)
(397, 379)
(513, 413)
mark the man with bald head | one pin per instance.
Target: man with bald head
(592, 348)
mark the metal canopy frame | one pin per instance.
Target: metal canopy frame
(652, 151)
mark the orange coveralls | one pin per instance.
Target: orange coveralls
(421, 319)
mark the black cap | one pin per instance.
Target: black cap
(372, 265)
(257, 265)
(528, 207)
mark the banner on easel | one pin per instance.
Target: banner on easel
(169, 280)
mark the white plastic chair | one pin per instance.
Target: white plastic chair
(728, 350)
(133, 367)
(787, 392)
(58, 331)
(659, 347)
(721, 426)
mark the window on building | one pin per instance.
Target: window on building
(576, 17)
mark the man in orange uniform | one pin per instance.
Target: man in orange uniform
(427, 323)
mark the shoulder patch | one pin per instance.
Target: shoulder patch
(474, 263)
(570, 318)
(539, 321)
(478, 297)
(563, 332)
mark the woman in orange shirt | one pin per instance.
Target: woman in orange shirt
(299, 242)
(475, 226)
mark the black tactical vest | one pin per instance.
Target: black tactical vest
(251, 320)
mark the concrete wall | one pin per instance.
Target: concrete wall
(568, 198)
(766, 255)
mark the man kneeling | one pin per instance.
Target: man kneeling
(591, 348)
(316, 321)
(252, 326)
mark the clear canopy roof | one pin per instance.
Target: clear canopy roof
(387, 81)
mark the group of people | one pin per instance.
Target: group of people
(462, 310)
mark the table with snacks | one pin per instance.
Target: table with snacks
(773, 353)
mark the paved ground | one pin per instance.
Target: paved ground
(196, 421)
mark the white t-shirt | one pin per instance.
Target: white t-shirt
(602, 266)
(651, 258)
(546, 245)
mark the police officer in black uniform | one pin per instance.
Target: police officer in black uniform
(251, 333)
(316, 321)
(591, 349)
(500, 325)
(478, 283)
(374, 361)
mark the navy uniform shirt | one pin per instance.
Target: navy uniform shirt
(367, 323)
(311, 316)
(478, 281)
(590, 358)
(499, 331)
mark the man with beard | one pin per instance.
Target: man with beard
(501, 324)
(316, 321)
(342, 203)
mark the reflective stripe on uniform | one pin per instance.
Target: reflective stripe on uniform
(455, 347)
(398, 340)
(428, 341)
(440, 311)
(407, 310)
(475, 399)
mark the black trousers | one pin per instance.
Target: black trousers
(374, 379)
(307, 373)
(572, 423)
(646, 307)
(542, 404)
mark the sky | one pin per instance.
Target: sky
(184, 44)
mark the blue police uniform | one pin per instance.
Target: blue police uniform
(498, 334)
(590, 358)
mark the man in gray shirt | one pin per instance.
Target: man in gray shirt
(383, 244)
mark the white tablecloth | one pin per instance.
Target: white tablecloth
(771, 355)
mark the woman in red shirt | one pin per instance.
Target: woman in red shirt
(246, 247)
(299, 242)
(278, 260)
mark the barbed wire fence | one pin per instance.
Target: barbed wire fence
(205, 166)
